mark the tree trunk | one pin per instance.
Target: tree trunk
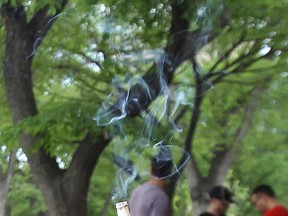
(64, 191)
(4, 207)
(200, 185)
(104, 211)
(5, 179)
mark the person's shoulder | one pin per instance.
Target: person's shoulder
(284, 209)
(281, 208)
(146, 188)
(141, 186)
(277, 211)
(206, 214)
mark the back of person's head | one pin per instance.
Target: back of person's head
(161, 164)
(222, 193)
(264, 189)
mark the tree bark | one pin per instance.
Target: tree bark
(5, 180)
(201, 185)
(182, 45)
(104, 211)
(64, 191)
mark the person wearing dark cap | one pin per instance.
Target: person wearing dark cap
(265, 201)
(220, 199)
(150, 199)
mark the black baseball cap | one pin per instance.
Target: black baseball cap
(162, 163)
(223, 194)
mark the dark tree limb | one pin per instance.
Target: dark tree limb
(78, 175)
(224, 158)
(86, 157)
(182, 46)
(225, 56)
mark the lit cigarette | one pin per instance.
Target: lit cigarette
(122, 208)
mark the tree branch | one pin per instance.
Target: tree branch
(85, 158)
(225, 56)
(181, 46)
(194, 120)
(11, 167)
(241, 67)
(225, 156)
(41, 22)
(90, 60)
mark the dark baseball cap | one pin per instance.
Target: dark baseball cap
(162, 163)
(222, 193)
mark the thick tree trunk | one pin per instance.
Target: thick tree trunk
(64, 192)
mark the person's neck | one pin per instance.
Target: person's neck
(272, 204)
(213, 211)
(156, 181)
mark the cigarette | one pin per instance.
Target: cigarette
(122, 208)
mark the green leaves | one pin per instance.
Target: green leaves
(92, 42)
(24, 197)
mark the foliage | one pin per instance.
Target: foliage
(101, 189)
(264, 152)
(92, 43)
(182, 203)
(24, 197)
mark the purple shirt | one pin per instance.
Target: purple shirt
(149, 200)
